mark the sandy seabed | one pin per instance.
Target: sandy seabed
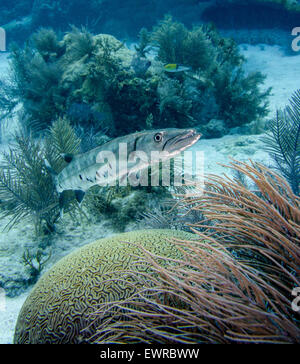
(283, 75)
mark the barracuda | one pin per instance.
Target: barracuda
(116, 159)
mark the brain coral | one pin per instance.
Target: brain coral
(61, 303)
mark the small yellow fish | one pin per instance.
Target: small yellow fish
(174, 67)
(171, 67)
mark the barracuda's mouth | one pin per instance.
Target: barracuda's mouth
(182, 141)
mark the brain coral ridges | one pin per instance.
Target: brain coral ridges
(62, 303)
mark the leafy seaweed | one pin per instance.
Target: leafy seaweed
(176, 44)
(79, 43)
(35, 263)
(47, 44)
(37, 84)
(142, 48)
(26, 185)
(283, 142)
(61, 139)
(215, 74)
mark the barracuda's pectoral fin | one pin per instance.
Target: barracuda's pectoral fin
(79, 194)
(64, 198)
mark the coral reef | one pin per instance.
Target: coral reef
(233, 284)
(55, 78)
(98, 83)
(60, 307)
(37, 81)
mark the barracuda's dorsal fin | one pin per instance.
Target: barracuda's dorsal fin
(68, 157)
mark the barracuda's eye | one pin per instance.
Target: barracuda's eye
(158, 137)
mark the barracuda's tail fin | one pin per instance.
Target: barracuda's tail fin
(61, 199)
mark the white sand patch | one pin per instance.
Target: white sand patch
(223, 150)
(282, 71)
(8, 317)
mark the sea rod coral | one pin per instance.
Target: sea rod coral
(234, 284)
